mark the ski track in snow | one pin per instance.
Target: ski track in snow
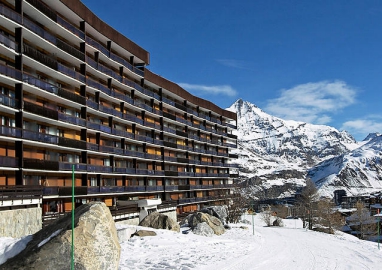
(289, 247)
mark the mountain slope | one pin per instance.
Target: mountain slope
(277, 153)
(359, 171)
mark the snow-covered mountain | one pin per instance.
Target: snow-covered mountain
(275, 154)
(359, 171)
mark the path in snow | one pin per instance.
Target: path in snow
(269, 248)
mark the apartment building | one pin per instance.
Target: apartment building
(77, 101)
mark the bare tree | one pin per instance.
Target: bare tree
(237, 203)
(327, 217)
(306, 203)
(266, 216)
(362, 222)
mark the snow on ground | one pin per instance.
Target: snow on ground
(288, 247)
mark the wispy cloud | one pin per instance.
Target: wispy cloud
(232, 63)
(312, 102)
(361, 127)
(212, 89)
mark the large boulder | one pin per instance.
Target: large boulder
(157, 220)
(96, 243)
(219, 211)
(203, 229)
(215, 223)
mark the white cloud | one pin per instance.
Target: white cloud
(213, 89)
(361, 127)
(232, 63)
(312, 102)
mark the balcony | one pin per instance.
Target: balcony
(122, 133)
(103, 88)
(11, 72)
(20, 194)
(123, 97)
(135, 188)
(99, 168)
(134, 153)
(41, 164)
(170, 173)
(44, 9)
(68, 166)
(51, 88)
(168, 101)
(71, 119)
(9, 162)
(8, 101)
(70, 27)
(10, 14)
(154, 188)
(40, 137)
(39, 110)
(8, 42)
(10, 131)
(97, 46)
(110, 149)
(170, 188)
(71, 73)
(71, 96)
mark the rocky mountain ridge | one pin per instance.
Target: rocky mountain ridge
(276, 155)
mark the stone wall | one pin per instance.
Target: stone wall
(131, 221)
(20, 222)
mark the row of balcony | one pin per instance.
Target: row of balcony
(79, 144)
(8, 71)
(68, 26)
(37, 164)
(95, 44)
(76, 53)
(67, 191)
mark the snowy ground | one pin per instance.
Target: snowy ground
(289, 247)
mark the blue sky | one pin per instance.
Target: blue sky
(313, 61)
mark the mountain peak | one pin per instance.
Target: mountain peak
(372, 136)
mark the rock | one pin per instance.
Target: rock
(184, 222)
(96, 243)
(125, 234)
(159, 221)
(217, 211)
(203, 229)
(227, 227)
(143, 233)
(243, 227)
(278, 222)
(215, 223)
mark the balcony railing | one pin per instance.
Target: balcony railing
(41, 164)
(70, 27)
(39, 110)
(40, 137)
(10, 131)
(67, 142)
(71, 119)
(8, 42)
(10, 193)
(8, 101)
(51, 88)
(11, 72)
(10, 14)
(8, 162)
